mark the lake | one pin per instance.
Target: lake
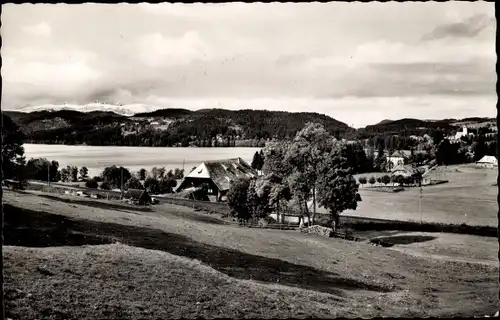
(134, 158)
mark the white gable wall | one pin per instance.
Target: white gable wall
(200, 172)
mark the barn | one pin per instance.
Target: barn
(487, 162)
(217, 175)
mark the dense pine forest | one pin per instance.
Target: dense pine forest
(216, 128)
(170, 127)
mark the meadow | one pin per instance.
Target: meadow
(107, 259)
(469, 197)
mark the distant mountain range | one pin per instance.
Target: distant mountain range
(167, 127)
(125, 110)
(106, 124)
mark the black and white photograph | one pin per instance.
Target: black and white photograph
(249, 160)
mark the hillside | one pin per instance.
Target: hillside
(118, 125)
(409, 126)
(168, 127)
(172, 263)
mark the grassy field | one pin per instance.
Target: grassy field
(175, 262)
(469, 198)
(443, 246)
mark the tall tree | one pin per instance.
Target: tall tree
(304, 156)
(133, 183)
(237, 198)
(337, 188)
(115, 176)
(142, 174)
(255, 160)
(178, 173)
(380, 160)
(41, 169)
(84, 171)
(479, 148)
(152, 185)
(13, 160)
(74, 174)
(65, 174)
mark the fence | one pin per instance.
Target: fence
(217, 207)
(61, 189)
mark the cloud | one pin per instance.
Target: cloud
(271, 55)
(41, 29)
(158, 50)
(32, 74)
(469, 28)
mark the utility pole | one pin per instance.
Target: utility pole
(420, 204)
(121, 188)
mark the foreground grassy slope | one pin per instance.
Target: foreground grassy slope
(362, 279)
(118, 281)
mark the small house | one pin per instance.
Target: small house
(487, 162)
(137, 196)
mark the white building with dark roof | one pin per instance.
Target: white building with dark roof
(487, 162)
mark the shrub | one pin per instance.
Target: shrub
(133, 183)
(237, 199)
(386, 179)
(105, 185)
(91, 183)
(362, 180)
(372, 180)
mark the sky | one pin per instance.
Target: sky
(359, 63)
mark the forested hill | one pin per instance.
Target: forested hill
(408, 126)
(170, 127)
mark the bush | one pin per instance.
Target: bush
(133, 183)
(105, 185)
(362, 180)
(237, 199)
(372, 180)
(91, 183)
(386, 179)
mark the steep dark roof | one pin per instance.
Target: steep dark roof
(223, 172)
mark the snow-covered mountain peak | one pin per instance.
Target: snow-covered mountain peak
(126, 110)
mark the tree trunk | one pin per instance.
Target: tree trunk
(314, 206)
(308, 215)
(336, 221)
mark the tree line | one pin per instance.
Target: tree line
(298, 176)
(15, 166)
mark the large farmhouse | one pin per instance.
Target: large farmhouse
(217, 175)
